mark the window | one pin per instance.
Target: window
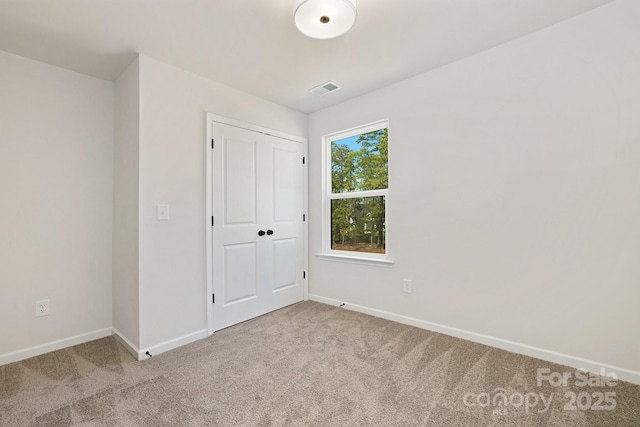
(357, 186)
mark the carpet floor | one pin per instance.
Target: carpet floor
(309, 364)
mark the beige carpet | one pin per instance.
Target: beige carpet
(308, 364)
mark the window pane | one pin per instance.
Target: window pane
(358, 224)
(360, 162)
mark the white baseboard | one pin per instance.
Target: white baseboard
(514, 347)
(139, 354)
(171, 344)
(131, 348)
(26, 353)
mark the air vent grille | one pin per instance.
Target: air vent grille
(325, 88)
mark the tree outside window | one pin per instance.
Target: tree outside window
(359, 187)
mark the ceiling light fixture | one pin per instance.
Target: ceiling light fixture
(324, 19)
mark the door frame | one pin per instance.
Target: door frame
(211, 119)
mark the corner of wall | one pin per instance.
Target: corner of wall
(125, 284)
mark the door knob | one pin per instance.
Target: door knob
(261, 233)
(269, 232)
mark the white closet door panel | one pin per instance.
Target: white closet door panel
(285, 185)
(240, 192)
(240, 273)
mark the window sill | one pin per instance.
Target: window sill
(376, 262)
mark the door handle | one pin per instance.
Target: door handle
(261, 233)
(269, 232)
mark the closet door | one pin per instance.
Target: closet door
(258, 232)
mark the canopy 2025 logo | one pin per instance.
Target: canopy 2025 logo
(540, 403)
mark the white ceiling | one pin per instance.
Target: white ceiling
(252, 45)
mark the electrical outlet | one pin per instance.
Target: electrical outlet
(42, 308)
(162, 212)
(406, 286)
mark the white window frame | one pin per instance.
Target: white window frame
(381, 260)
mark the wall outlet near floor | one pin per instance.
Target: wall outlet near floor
(406, 286)
(42, 308)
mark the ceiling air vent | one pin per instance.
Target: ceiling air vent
(325, 88)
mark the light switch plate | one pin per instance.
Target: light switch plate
(163, 212)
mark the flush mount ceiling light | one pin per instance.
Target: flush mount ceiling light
(324, 19)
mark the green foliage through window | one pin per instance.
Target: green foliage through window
(362, 164)
(357, 224)
(358, 164)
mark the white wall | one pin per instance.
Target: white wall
(514, 180)
(126, 304)
(56, 153)
(74, 150)
(173, 106)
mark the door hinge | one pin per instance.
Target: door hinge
(304, 217)
(304, 274)
(212, 221)
(303, 160)
(213, 298)
(212, 143)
